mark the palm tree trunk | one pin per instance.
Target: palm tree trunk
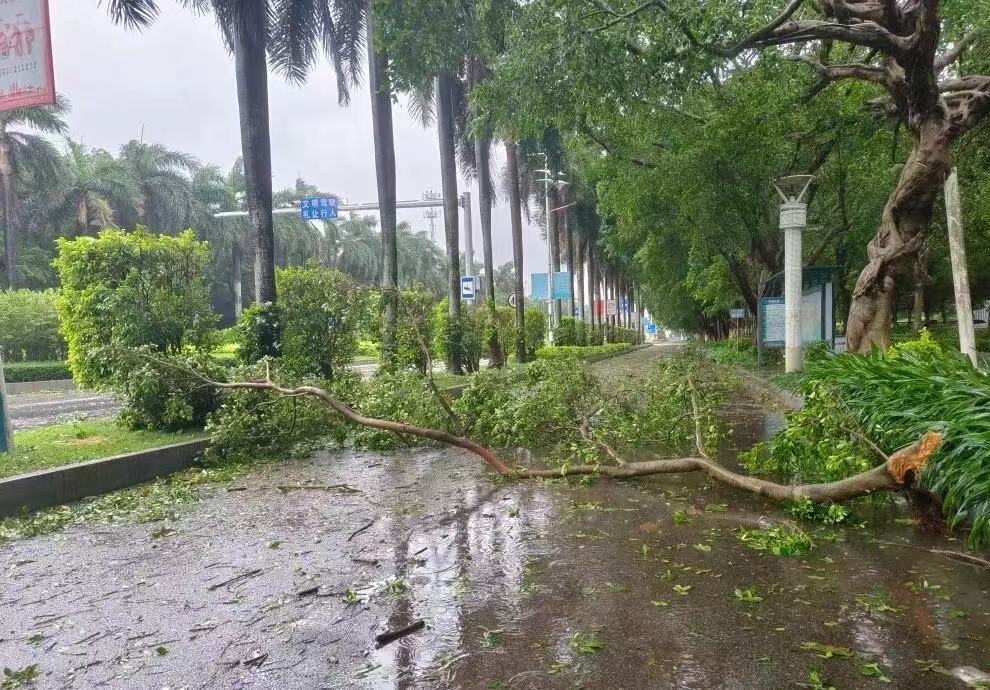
(593, 286)
(251, 65)
(568, 250)
(553, 235)
(448, 174)
(515, 215)
(381, 116)
(235, 279)
(579, 268)
(8, 199)
(482, 147)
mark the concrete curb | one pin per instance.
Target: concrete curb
(41, 386)
(72, 483)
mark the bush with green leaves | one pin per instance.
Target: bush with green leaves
(258, 333)
(29, 327)
(27, 372)
(893, 399)
(320, 311)
(534, 330)
(470, 327)
(399, 396)
(165, 392)
(732, 351)
(415, 330)
(252, 425)
(504, 329)
(132, 289)
(566, 333)
(591, 351)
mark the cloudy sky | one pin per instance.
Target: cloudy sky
(174, 84)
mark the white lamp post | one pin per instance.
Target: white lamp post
(557, 180)
(796, 192)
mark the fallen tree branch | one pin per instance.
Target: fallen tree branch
(588, 435)
(897, 473)
(392, 635)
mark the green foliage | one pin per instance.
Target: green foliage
(131, 289)
(320, 312)
(468, 331)
(24, 372)
(574, 351)
(165, 393)
(925, 346)
(816, 351)
(901, 397)
(786, 540)
(416, 329)
(29, 327)
(250, 424)
(823, 513)
(732, 351)
(535, 330)
(401, 396)
(258, 334)
(570, 332)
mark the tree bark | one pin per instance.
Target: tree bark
(8, 213)
(515, 215)
(384, 136)
(960, 270)
(448, 174)
(235, 279)
(251, 66)
(579, 263)
(918, 304)
(568, 250)
(903, 231)
(482, 147)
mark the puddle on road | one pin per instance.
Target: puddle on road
(522, 585)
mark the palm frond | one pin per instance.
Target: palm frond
(422, 104)
(133, 14)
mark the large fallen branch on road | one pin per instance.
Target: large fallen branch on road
(898, 472)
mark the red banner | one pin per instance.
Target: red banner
(27, 77)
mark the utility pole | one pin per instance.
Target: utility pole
(795, 191)
(432, 215)
(6, 428)
(960, 271)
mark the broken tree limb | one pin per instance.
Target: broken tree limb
(896, 473)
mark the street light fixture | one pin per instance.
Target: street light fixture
(795, 192)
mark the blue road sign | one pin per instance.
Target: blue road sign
(562, 285)
(541, 287)
(651, 328)
(469, 288)
(318, 208)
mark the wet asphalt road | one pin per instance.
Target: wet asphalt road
(32, 410)
(282, 580)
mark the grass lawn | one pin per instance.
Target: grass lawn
(64, 444)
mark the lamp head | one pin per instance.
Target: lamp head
(796, 188)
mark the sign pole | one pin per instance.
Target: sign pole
(794, 191)
(6, 428)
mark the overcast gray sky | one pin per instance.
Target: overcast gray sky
(175, 82)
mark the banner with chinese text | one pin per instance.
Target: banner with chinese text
(27, 78)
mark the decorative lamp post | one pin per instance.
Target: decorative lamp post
(796, 192)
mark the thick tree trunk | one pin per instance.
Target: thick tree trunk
(903, 230)
(381, 124)
(482, 148)
(8, 212)
(918, 304)
(251, 66)
(236, 270)
(515, 215)
(448, 174)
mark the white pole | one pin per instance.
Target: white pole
(793, 219)
(550, 301)
(6, 427)
(960, 272)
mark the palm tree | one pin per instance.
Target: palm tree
(23, 154)
(448, 174)
(515, 215)
(355, 248)
(421, 262)
(90, 185)
(288, 33)
(214, 191)
(166, 188)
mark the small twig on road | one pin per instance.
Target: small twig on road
(243, 576)
(390, 636)
(360, 529)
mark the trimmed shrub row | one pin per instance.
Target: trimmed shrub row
(29, 372)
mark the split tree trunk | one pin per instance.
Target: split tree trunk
(448, 174)
(251, 66)
(515, 215)
(903, 231)
(384, 136)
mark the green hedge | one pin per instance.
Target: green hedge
(27, 372)
(29, 327)
(566, 351)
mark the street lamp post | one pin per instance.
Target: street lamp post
(549, 178)
(795, 192)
